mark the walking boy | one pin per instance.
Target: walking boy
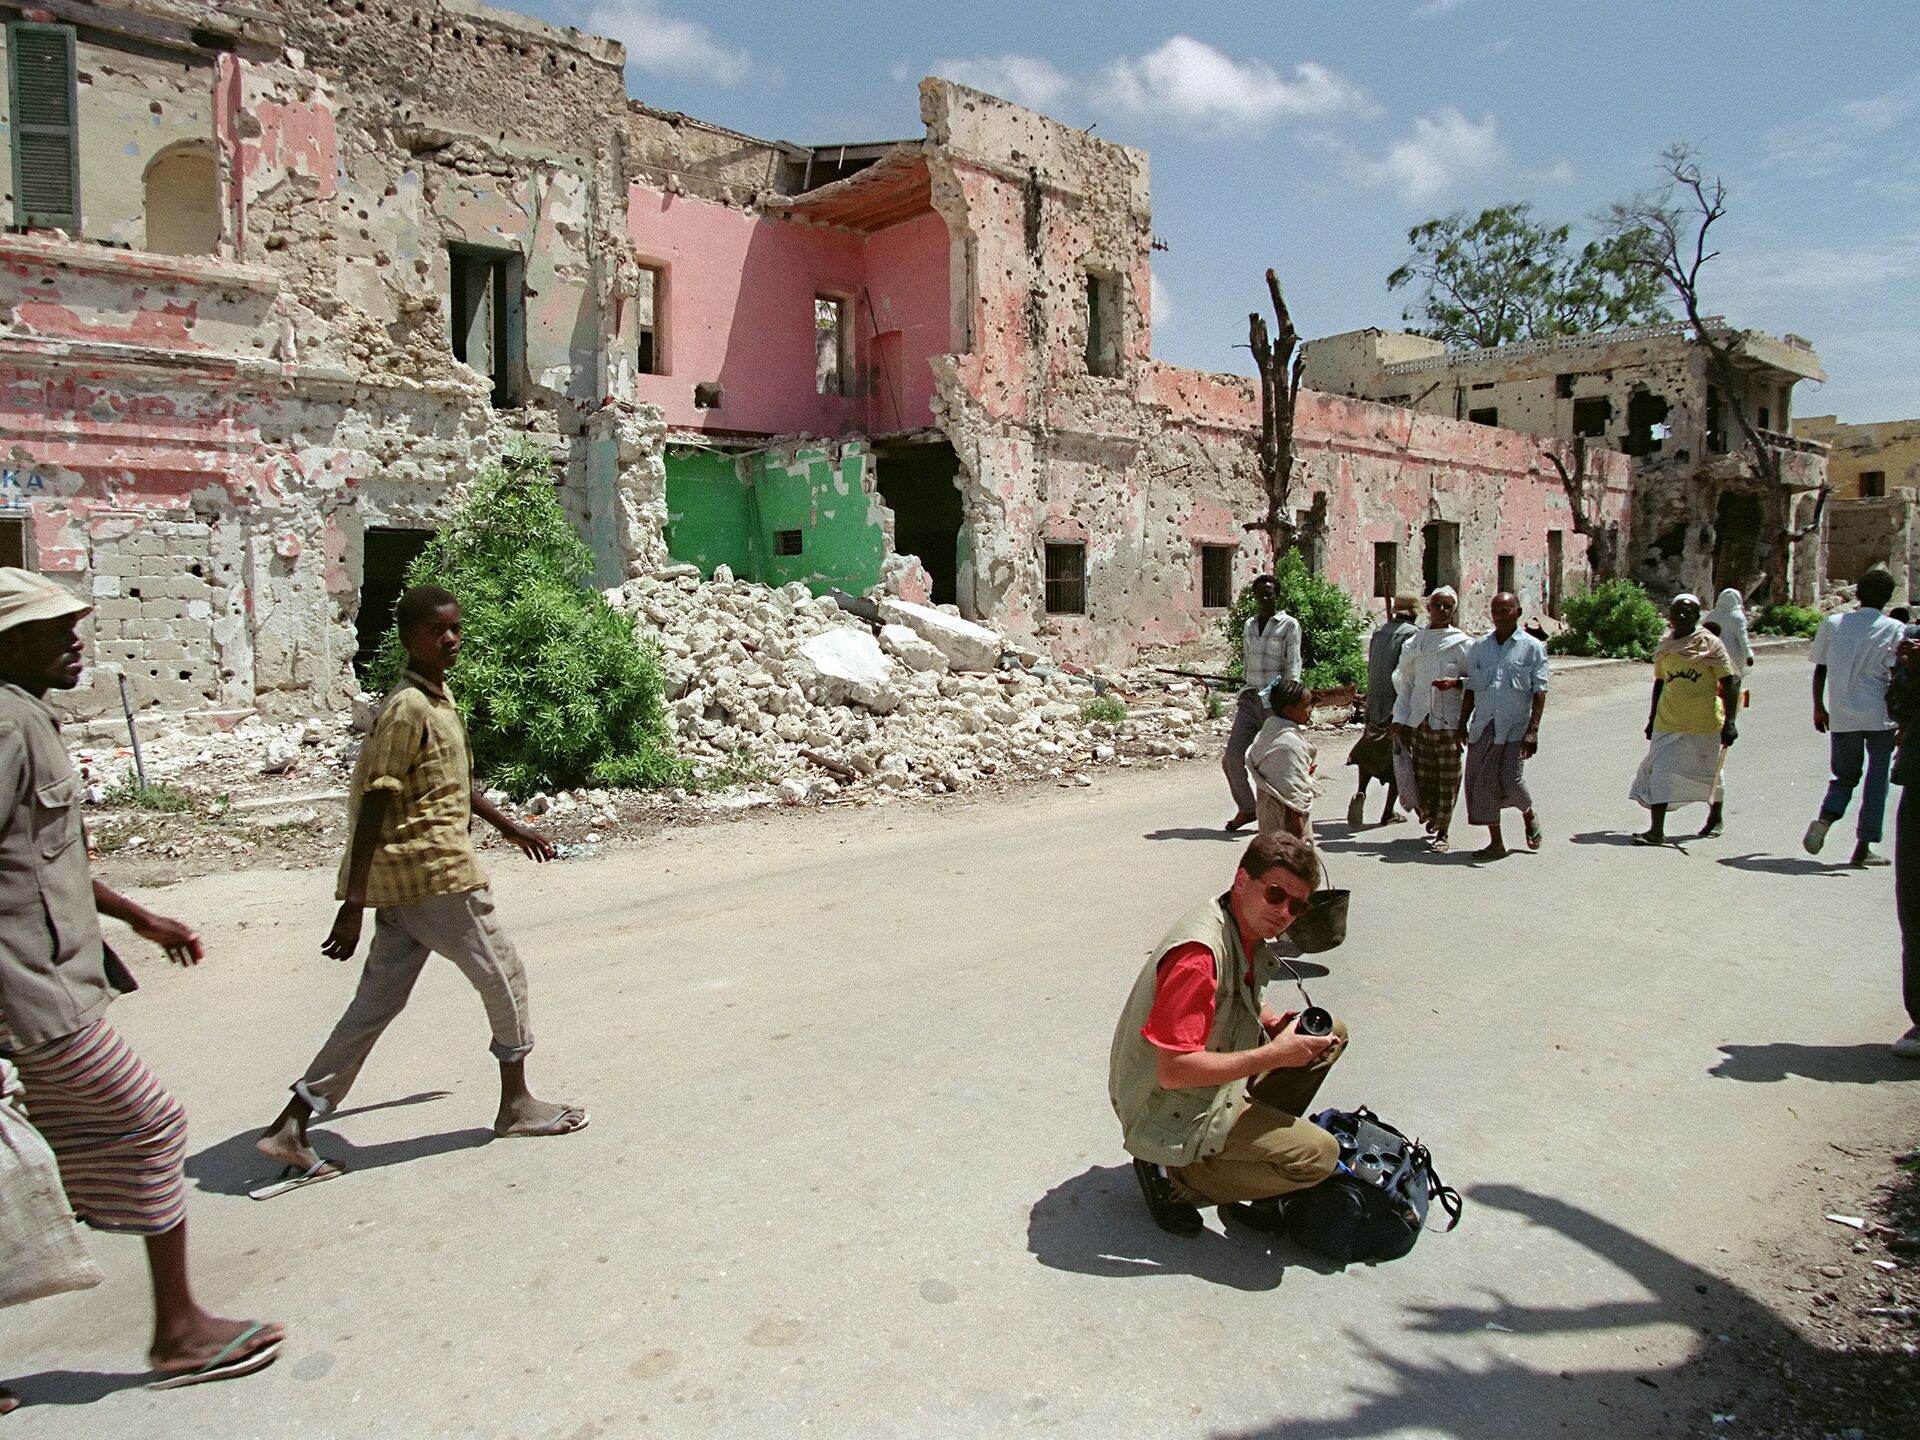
(411, 858)
(1271, 652)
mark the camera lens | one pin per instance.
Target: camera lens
(1314, 1021)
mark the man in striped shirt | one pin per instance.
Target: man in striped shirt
(120, 1139)
(1271, 644)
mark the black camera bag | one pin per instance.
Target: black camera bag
(1375, 1203)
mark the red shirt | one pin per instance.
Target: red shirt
(1183, 999)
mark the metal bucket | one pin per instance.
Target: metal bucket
(1323, 924)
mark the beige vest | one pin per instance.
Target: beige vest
(1178, 1127)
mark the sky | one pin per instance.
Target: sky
(1311, 135)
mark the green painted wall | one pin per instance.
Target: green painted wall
(728, 510)
(709, 512)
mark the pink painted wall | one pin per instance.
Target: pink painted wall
(737, 307)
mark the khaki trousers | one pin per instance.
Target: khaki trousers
(460, 927)
(1270, 1150)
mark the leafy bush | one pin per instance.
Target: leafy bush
(1104, 710)
(1333, 632)
(1615, 620)
(1795, 620)
(555, 688)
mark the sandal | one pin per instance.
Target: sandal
(1534, 834)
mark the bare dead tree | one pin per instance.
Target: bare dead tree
(1669, 228)
(1586, 494)
(1280, 359)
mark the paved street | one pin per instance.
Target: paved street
(852, 1171)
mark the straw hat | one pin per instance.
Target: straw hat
(26, 597)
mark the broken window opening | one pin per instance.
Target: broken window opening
(1590, 416)
(1563, 386)
(1764, 419)
(832, 346)
(649, 354)
(1440, 555)
(182, 205)
(788, 542)
(1066, 587)
(1489, 416)
(1386, 568)
(1873, 486)
(1716, 430)
(1671, 542)
(1646, 423)
(486, 318)
(13, 543)
(1103, 324)
(1556, 570)
(709, 395)
(1216, 576)
(385, 554)
(1505, 573)
(42, 80)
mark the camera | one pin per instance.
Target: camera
(1314, 1021)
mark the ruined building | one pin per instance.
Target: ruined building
(1704, 515)
(1874, 469)
(280, 279)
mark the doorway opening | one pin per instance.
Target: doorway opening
(919, 483)
(1736, 545)
(1440, 555)
(385, 555)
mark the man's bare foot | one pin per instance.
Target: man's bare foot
(1491, 852)
(527, 1116)
(286, 1144)
(192, 1342)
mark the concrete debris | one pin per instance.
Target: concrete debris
(778, 683)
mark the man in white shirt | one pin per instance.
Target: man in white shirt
(1853, 658)
(1427, 686)
(1506, 694)
(1271, 644)
(1282, 761)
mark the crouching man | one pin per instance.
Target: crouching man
(1195, 1033)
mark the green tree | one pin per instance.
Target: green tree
(1503, 276)
(1333, 632)
(1615, 620)
(555, 687)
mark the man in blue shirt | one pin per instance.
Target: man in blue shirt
(1506, 695)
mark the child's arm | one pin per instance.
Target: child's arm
(344, 937)
(524, 838)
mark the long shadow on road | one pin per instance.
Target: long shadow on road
(1504, 1399)
(233, 1166)
(1867, 1064)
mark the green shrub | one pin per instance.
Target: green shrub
(1795, 620)
(555, 688)
(1615, 620)
(1333, 632)
(156, 795)
(1104, 710)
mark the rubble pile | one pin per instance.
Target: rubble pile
(794, 689)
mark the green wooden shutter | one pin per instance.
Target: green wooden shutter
(46, 135)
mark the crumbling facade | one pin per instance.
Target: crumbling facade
(1874, 469)
(282, 280)
(1705, 515)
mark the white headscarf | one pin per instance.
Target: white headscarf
(1731, 618)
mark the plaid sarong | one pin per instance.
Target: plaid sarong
(1436, 771)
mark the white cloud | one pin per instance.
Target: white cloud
(1434, 9)
(1442, 150)
(1024, 79)
(1498, 47)
(1829, 268)
(1841, 137)
(1160, 301)
(1189, 81)
(662, 45)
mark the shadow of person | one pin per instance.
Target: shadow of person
(1198, 832)
(1867, 1064)
(233, 1166)
(1097, 1224)
(1615, 837)
(1497, 1396)
(1398, 850)
(72, 1387)
(1780, 865)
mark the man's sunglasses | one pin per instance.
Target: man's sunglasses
(1278, 895)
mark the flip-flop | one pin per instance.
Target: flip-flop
(294, 1178)
(1639, 839)
(229, 1364)
(1534, 835)
(565, 1123)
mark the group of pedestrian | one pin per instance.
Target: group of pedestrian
(119, 1138)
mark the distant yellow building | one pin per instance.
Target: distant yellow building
(1865, 461)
